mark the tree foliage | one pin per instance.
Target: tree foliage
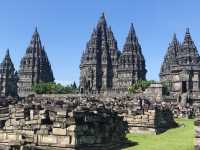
(140, 85)
(54, 88)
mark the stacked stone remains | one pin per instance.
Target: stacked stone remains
(62, 123)
(8, 77)
(142, 115)
(180, 106)
(103, 68)
(34, 67)
(79, 122)
(154, 92)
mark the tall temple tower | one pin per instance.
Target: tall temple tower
(131, 62)
(34, 67)
(103, 68)
(99, 60)
(181, 67)
(8, 77)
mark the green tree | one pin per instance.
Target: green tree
(140, 85)
(53, 88)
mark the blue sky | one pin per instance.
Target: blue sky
(65, 27)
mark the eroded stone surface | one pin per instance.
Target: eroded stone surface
(72, 122)
(34, 67)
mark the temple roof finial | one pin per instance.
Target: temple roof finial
(36, 28)
(7, 53)
(102, 19)
(132, 30)
(174, 36)
(131, 33)
(174, 39)
(187, 38)
(187, 30)
(103, 15)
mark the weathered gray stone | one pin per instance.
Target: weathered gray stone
(180, 70)
(34, 67)
(70, 128)
(8, 77)
(103, 68)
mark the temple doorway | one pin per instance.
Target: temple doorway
(184, 87)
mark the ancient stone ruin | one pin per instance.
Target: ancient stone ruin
(50, 123)
(8, 77)
(142, 115)
(104, 68)
(99, 117)
(181, 70)
(34, 67)
(78, 122)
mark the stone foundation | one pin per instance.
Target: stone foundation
(150, 121)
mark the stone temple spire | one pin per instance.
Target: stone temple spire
(131, 35)
(170, 57)
(189, 52)
(181, 67)
(131, 62)
(131, 40)
(99, 60)
(187, 38)
(8, 77)
(102, 21)
(188, 43)
(174, 47)
(7, 54)
(34, 67)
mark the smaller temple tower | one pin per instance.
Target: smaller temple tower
(8, 77)
(34, 67)
(181, 67)
(170, 58)
(131, 62)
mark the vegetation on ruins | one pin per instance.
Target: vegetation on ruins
(181, 138)
(140, 85)
(54, 88)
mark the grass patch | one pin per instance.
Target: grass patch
(181, 138)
